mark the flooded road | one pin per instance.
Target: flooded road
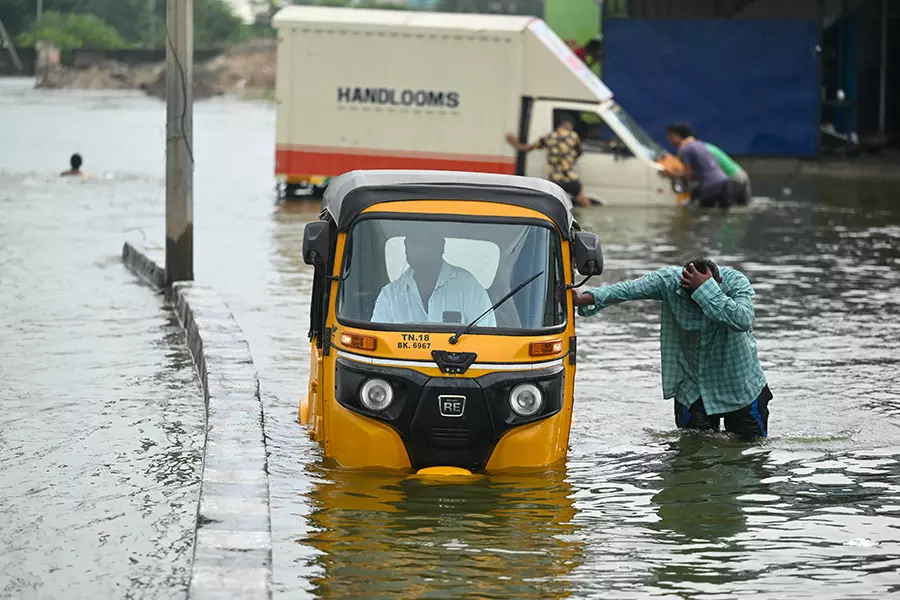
(92, 365)
(100, 410)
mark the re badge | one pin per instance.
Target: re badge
(452, 406)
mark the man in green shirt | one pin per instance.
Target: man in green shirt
(738, 180)
(709, 360)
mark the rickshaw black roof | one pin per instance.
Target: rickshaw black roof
(353, 192)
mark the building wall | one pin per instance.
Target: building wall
(757, 93)
(684, 9)
(796, 9)
(577, 20)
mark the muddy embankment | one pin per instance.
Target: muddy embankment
(247, 70)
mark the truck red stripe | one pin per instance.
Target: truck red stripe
(330, 163)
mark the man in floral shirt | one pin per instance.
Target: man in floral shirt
(563, 146)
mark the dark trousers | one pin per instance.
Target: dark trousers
(750, 422)
(739, 188)
(572, 188)
(715, 195)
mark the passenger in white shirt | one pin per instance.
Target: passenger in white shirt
(432, 282)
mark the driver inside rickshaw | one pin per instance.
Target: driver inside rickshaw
(450, 293)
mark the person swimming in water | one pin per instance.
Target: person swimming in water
(75, 163)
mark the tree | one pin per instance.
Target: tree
(263, 12)
(72, 31)
(138, 22)
(18, 15)
(215, 24)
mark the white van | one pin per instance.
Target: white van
(383, 89)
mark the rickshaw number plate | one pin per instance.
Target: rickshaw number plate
(452, 406)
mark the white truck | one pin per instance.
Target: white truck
(384, 89)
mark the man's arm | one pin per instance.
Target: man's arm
(686, 157)
(735, 312)
(515, 143)
(648, 287)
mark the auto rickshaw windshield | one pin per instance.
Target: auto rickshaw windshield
(442, 275)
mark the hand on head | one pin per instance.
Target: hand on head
(691, 278)
(697, 272)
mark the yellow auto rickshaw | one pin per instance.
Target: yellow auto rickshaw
(442, 334)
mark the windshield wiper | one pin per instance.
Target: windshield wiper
(455, 337)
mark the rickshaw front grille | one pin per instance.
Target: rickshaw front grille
(452, 437)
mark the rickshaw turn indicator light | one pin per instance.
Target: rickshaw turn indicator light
(526, 399)
(358, 341)
(545, 348)
(376, 394)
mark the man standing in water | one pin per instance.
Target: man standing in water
(737, 176)
(700, 165)
(563, 146)
(709, 361)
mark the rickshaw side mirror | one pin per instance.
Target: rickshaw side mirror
(316, 244)
(588, 254)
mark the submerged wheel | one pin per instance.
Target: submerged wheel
(301, 191)
(290, 190)
(297, 191)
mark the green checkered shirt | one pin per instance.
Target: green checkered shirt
(706, 339)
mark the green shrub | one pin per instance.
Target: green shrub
(73, 30)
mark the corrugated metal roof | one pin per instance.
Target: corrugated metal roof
(293, 15)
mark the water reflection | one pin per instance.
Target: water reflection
(386, 534)
(101, 427)
(702, 478)
(705, 482)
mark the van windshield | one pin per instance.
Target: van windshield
(442, 275)
(649, 147)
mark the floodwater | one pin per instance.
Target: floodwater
(91, 367)
(101, 414)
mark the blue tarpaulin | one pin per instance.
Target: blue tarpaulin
(750, 87)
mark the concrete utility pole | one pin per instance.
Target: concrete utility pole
(40, 9)
(7, 41)
(179, 141)
(882, 100)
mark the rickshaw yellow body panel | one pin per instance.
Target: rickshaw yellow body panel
(353, 441)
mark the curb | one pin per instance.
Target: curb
(233, 536)
(145, 263)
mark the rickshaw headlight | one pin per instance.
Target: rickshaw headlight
(526, 399)
(376, 394)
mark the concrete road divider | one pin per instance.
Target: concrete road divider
(233, 540)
